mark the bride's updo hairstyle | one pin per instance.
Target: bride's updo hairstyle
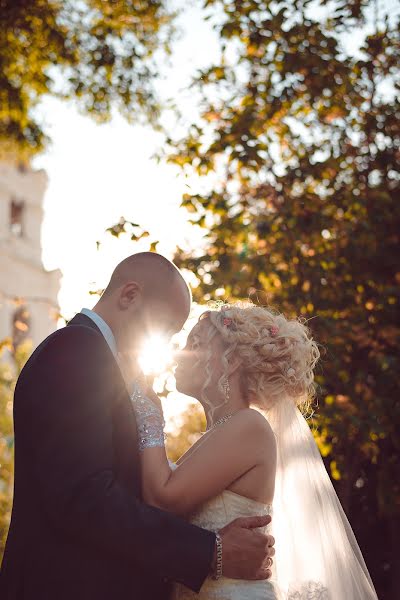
(277, 355)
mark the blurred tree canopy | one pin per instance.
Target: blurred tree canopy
(9, 371)
(186, 430)
(101, 53)
(297, 147)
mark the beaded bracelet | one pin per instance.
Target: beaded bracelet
(218, 567)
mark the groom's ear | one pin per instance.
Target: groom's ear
(130, 293)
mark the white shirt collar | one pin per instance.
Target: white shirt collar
(104, 328)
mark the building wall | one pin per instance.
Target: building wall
(23, 279)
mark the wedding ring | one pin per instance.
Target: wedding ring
(269, 562)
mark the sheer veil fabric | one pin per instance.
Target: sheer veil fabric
(317, 555)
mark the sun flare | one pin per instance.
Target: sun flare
(156, 355)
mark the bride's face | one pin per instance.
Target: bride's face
(190, 373)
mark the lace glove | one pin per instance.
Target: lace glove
(149, 418)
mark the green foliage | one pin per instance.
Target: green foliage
(101, 53)
(127, 227)
(6, 452)
(185, 431)
(304, 215)
(9, 371)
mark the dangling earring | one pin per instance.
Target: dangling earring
(226, 388)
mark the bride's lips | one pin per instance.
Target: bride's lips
(177, 372)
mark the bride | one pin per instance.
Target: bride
(252, 371)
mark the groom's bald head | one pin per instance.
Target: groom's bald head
(155, 273)
(146, 292)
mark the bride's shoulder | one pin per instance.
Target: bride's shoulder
(252, 421)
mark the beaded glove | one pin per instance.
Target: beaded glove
(149, 419)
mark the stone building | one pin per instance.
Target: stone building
(28, 293)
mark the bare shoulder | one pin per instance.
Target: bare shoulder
(251, 421)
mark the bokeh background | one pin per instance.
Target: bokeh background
(256, 143)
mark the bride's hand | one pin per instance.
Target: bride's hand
(129, 368)
(132, 373)
(150, 393)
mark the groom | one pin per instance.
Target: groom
(79, 530)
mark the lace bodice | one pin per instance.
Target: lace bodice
(215, 514)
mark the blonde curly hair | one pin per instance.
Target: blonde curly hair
(278, 355)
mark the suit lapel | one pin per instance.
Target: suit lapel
(124, 421)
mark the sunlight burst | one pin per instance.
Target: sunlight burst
(156, 355)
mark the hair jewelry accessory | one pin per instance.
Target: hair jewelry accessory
(274, 330)
(227, 321)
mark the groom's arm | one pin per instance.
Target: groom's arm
(72, 459)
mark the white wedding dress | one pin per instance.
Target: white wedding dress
(215, 514)
(317, 555)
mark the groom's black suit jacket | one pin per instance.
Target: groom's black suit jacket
(79, 530)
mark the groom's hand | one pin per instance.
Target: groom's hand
(246, 552)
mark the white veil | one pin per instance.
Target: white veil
(317, 555)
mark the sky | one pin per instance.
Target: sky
(98, 173)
